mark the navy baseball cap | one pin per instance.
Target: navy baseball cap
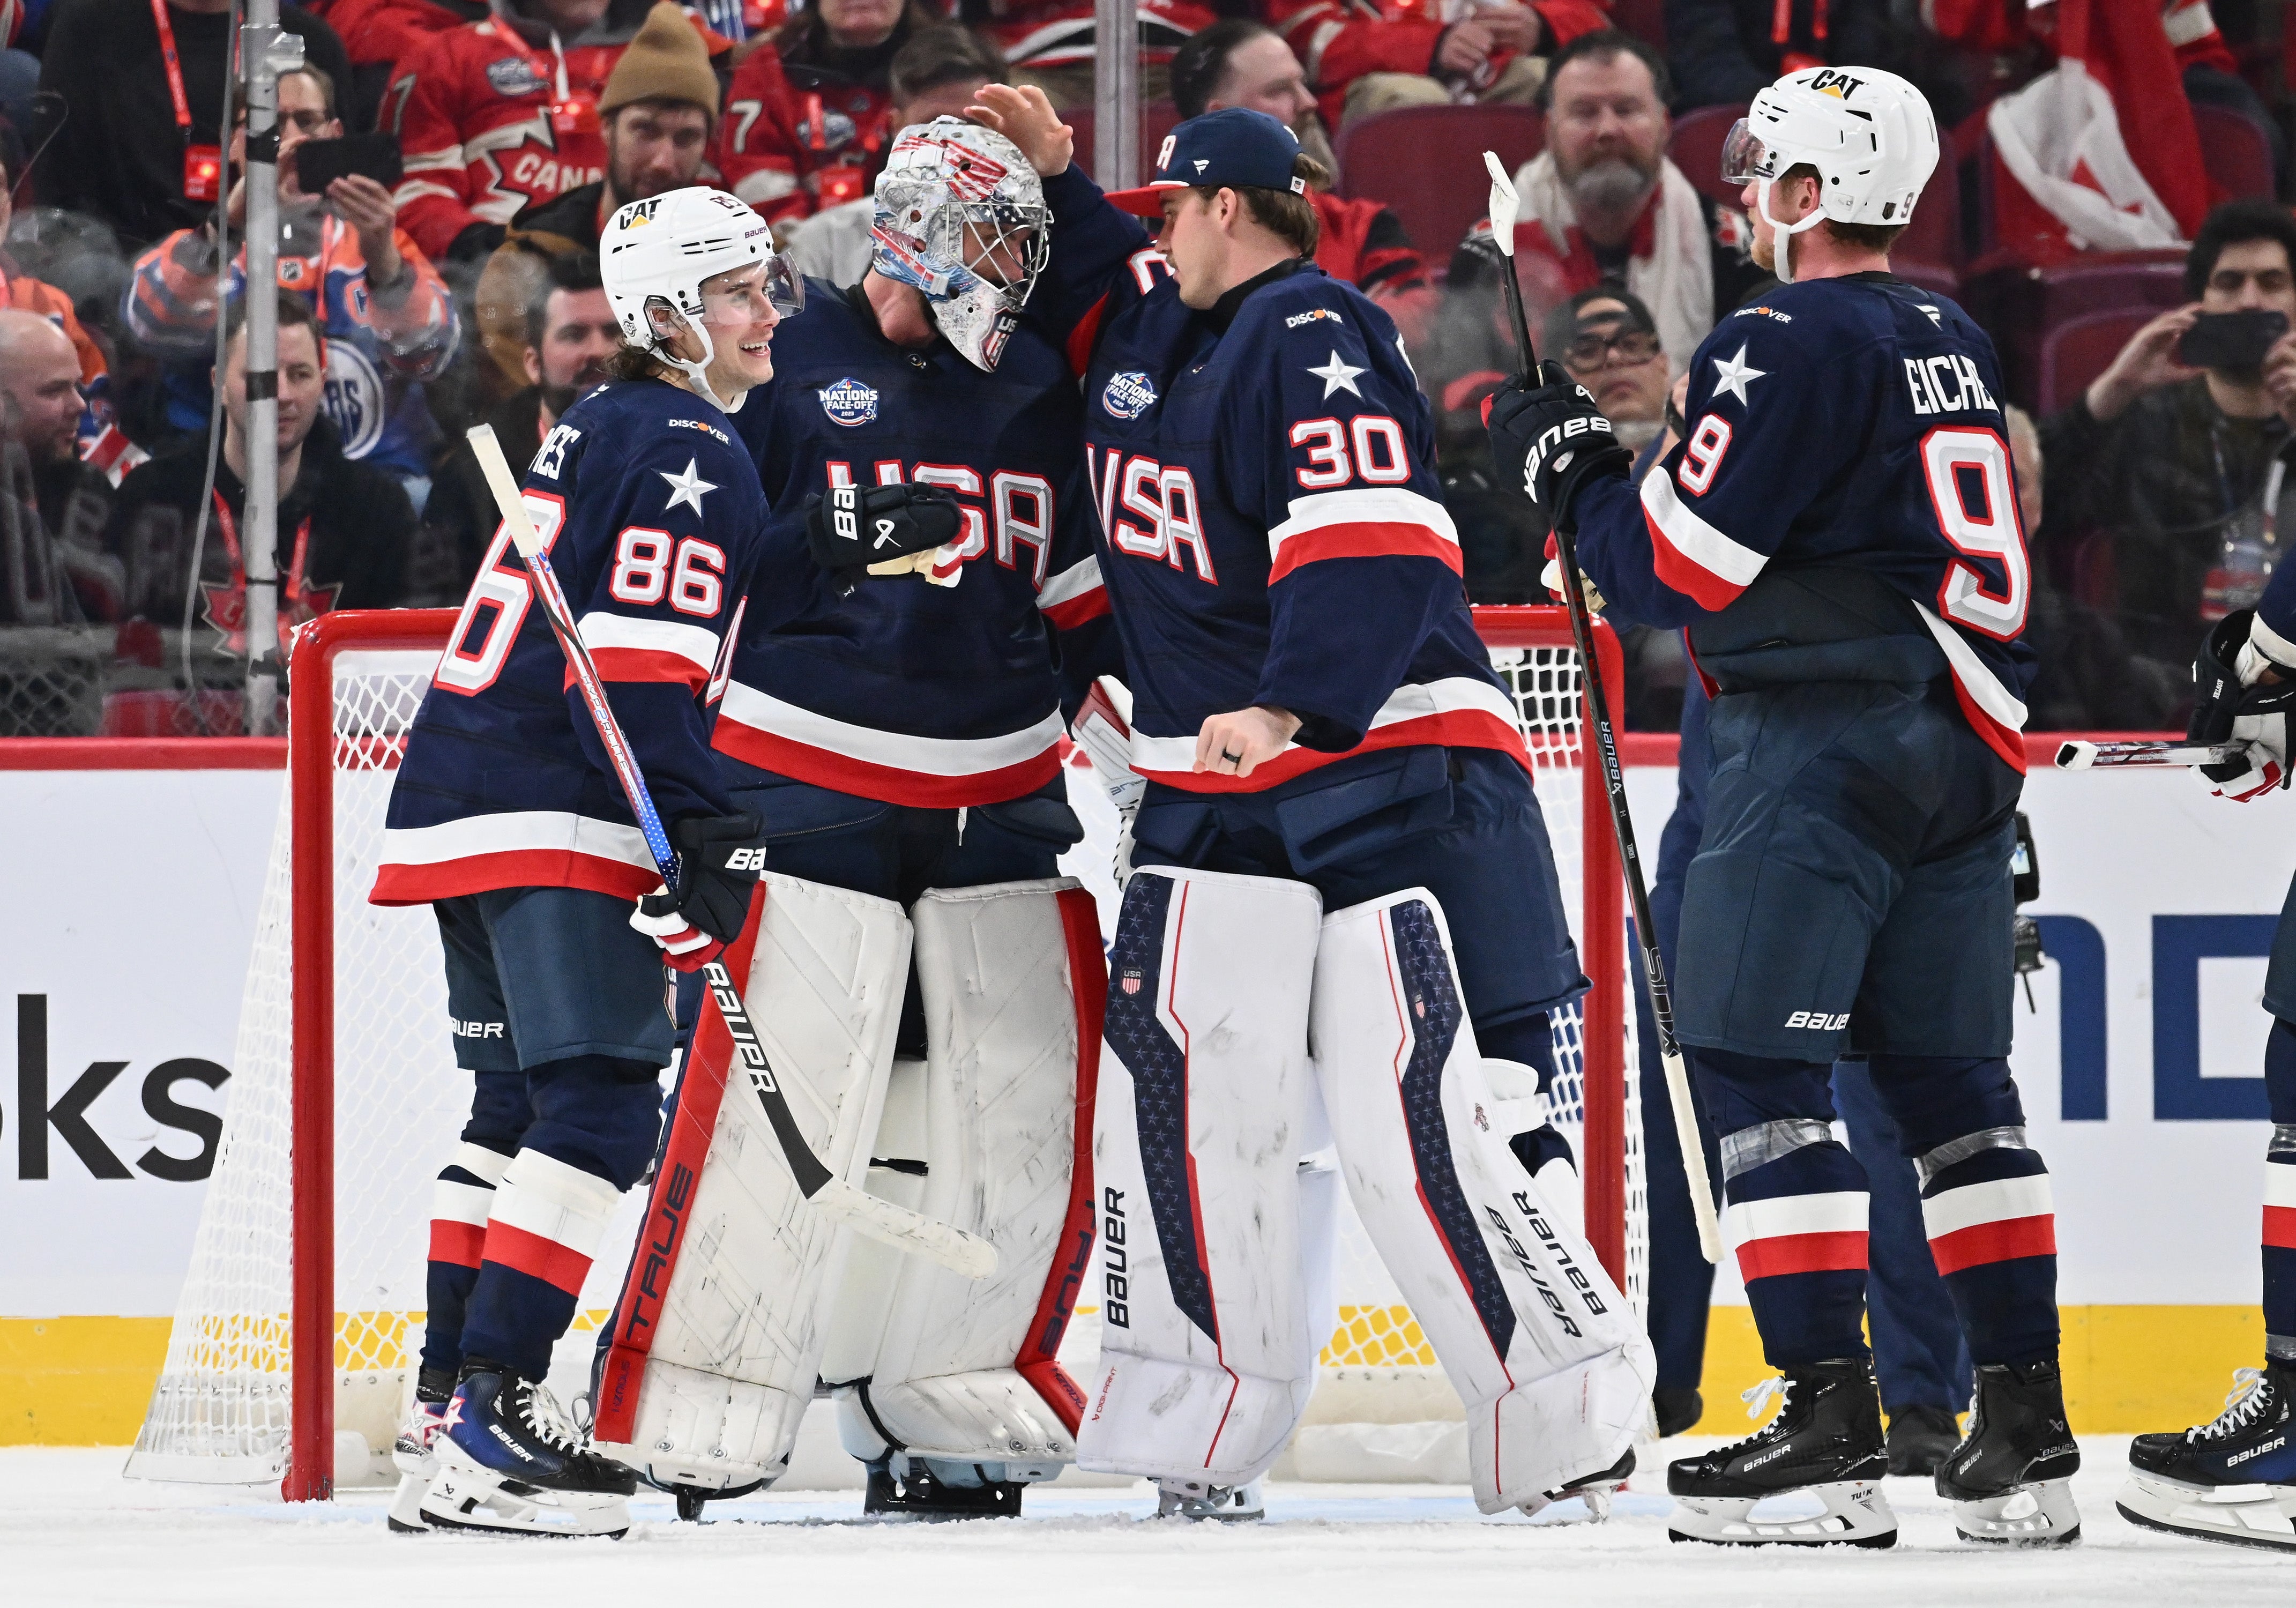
(1234, 147)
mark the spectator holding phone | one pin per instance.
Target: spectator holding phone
(2178, 454)
(387, 320)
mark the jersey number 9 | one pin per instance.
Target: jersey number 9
(1955, 461)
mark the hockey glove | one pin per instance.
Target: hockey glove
(2232, 703)
(719, 859)
(856, 528)
(1558, 435)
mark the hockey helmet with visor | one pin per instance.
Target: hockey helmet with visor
(661, 253)
(1869, 135)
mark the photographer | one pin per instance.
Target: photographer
(387, 320)
(2178, 450)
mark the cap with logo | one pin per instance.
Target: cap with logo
(1234, 147)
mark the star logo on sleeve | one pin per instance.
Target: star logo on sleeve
(1338, 376)
(687, 488)
(1734, 375)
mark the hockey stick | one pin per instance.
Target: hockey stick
(1505, 206)
(2078, 755)
(829, 1195)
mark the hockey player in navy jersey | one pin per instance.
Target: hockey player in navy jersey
(1319, 728)
(1839, 530)
(2234, 1478)
(897, 729)
(506, 819)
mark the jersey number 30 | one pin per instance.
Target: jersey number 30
(1955, 461)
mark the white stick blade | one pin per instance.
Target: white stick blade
(1505, 205)
(905, 1231)
(504, 484)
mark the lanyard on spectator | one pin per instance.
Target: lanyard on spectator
(569, 114)
(202, 164)
(227, 604)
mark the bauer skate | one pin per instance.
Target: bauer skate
(416, 1453)
(1194, 1499)
(2010, 1481)
(2231, 1480)
(509, 1463)
(902, 1485)
(1824, 1446)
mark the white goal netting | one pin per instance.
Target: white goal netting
(223, 1410)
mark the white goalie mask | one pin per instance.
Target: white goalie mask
(961, 216)
(1870, 135)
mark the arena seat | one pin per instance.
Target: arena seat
(2076, 352)
(1426, 162)
(2233, 151)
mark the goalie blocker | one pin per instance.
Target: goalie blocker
(737, 1298)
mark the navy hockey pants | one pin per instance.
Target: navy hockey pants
(1462, 823)
(1852, 891)
(559, 1015)
(2279, 1249)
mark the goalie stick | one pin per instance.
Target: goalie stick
(1505, 205)
(2078, 755)
(832, 1196)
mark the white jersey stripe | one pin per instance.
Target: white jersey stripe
(1070, 583)
(928, 756)
(1982, 685)
(1839, 1213)
(515, 832)
(1379, 505)
(2279, 1185)
(1696, 540)
(1997, 1200)
(696, 645)
(1453, 694)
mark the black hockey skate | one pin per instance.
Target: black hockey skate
(415, 1451)
(510, 1463)
(1825, 1445)
(1595, 1490)
(911, 1487)
(2232, 1480)
(1920, 1438)
(2010, 1481)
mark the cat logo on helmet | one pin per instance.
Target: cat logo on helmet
(639, 212)
(1840, 85)
(849, 403)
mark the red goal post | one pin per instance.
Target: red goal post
(333, 732)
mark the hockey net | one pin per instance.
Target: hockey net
(293, 1349)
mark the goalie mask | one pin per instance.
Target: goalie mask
(1869, 134)
(962, 217)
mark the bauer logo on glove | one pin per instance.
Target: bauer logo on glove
(719, 859)
(1558, 435)
(880, 529)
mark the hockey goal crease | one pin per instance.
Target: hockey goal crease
(292, 1354)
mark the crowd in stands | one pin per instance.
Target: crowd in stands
(2112, 172)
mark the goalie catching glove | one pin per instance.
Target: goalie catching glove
(857, 529)
(1558, 435)
(2240, 695)
(719, 859)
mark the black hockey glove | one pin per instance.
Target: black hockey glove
(719, 859)
(855, 527)
(1561, 439)
(2253, 715)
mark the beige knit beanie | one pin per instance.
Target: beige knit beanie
(665, 62)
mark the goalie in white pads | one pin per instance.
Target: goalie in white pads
(1319, 727)
(897, 728)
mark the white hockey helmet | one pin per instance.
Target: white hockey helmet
(1870, 135)
(961, 214)
(660, 249)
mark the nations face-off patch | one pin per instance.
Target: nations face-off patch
(1128, 395)
(849, 402)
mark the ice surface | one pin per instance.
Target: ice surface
(73, 1531)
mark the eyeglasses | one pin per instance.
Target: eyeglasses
(1624, 350)
(304, 123)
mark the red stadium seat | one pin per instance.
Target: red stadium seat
(2073, 354)
(1696, 148)
(2233, 151)
(1644, 18)
(1426, 162)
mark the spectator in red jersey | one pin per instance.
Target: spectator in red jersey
(390, 322)
(1239, 62)
(1366, 57)
(1050, 43)
(503, 113)
(657, 114)
(378, 35)
(143, 148)
(807, 123)
(935, 75)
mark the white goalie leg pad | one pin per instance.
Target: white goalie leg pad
(982, 1135)
(720, 1329)
(1205, 1361)
(1553, 1369)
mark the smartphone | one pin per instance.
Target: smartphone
(319, 163)
(2231, 339)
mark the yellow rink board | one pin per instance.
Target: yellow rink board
(86, 1381)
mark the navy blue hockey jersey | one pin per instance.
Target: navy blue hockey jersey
(903, 690)
(1850, 424)
(649, 511)
(1271, 532)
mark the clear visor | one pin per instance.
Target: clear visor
(1744, 157)
(743, 295)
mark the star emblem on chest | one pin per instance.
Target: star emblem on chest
(687, 488)
(1338, 376)
(1734, 375)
